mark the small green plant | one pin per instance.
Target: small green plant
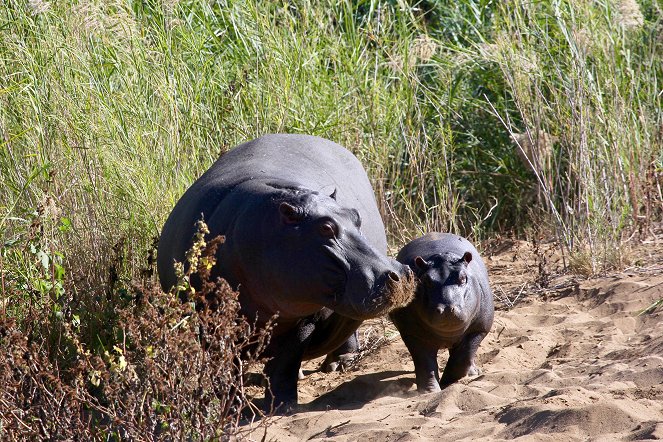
(33, 270)
(652, 308)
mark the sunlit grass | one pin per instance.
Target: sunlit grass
(109, 110)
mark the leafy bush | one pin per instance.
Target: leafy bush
(169, 370)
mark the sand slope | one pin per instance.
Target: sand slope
(572, 362)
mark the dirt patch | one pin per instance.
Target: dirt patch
(573, 360)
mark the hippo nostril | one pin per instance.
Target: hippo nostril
(394, 276)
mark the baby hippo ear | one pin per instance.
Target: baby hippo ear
(467, 257)
(333, 194)
(290, 214)
(421, 264)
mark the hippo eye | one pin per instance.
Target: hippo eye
(327, 229)
(462, 279)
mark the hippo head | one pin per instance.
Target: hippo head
(446, 296)
(321, 258)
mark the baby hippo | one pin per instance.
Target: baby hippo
(452, 308)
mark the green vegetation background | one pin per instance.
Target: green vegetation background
(482, 117)
(476, 116)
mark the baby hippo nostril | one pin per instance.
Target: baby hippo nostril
(394, 276)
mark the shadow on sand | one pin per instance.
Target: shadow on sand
(362, 389)
(350, 395)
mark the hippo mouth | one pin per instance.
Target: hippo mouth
(451, 314)
(389, 295)
(446, 320)
(382, 295)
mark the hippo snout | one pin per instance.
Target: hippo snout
(450, 311)
(393, 276)
(448, 316)
(394, 288)
(383, 291)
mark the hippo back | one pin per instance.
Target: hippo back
(311, 162)
(286, 159)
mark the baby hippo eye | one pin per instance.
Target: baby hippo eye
(327, 229)
(462, 279)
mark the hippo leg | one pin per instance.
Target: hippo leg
(333, 335)
(461, 359)
(340, 358)
(424, 357)
(282, 370)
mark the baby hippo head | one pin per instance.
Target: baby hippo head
(445, 296)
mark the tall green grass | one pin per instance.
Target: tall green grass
(585, 81)
(109, 110)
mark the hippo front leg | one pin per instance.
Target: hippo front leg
(426, 369)
(282, 370)
(461, 359)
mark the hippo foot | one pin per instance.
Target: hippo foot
(432, 387)
(474, 371)
(337, 363)
(285, 407)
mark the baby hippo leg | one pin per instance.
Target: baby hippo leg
(461, 359)
(426, 369)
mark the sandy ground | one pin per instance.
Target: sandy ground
(571, 362)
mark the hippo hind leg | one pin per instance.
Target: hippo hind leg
(341, 358)
(333, 335)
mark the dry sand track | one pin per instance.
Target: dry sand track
(574, 362)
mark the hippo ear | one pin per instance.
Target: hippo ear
(356, 217)
(421, 264)
(333, 194)
(467, 257)
(289, 213)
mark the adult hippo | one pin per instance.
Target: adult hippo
(303, 239)
(452, 307)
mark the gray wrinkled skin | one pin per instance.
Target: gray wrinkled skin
(452, 308)
(304, 239)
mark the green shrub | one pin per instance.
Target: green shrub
(158, 368)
